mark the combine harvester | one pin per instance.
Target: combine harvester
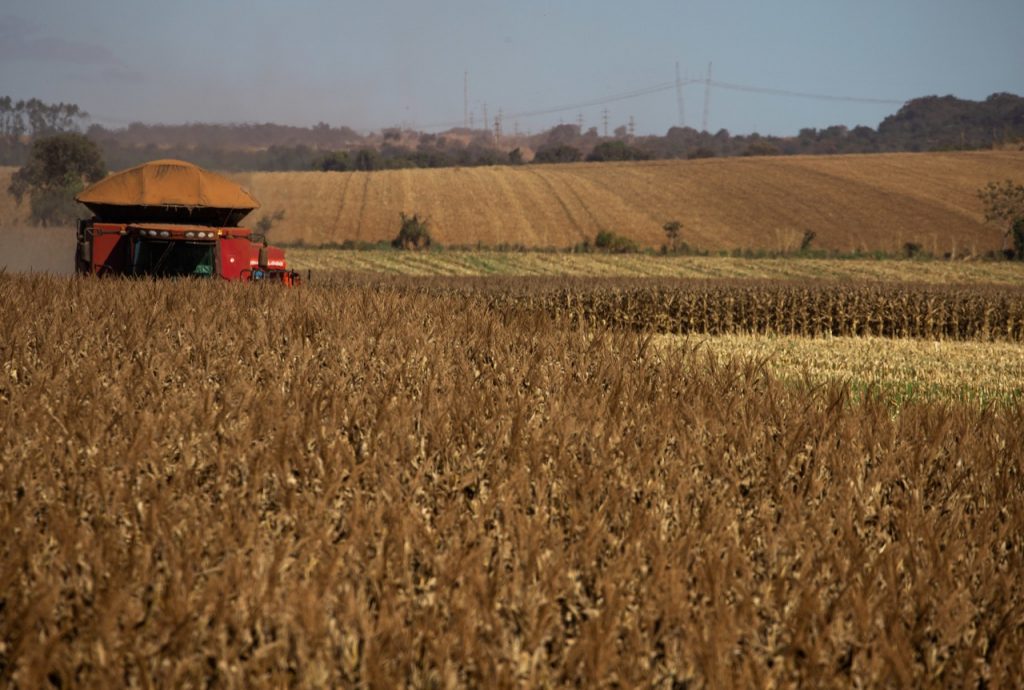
(170, 218)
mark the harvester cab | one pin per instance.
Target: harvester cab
(263, 271)
(173, 219)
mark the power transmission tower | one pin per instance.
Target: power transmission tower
(707, 99)
(497, 126)
(486, 121)
(579, 122)
(465, 99)
(604, 119)
(632, 127)
(679, 97)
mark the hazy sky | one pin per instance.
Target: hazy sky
(375, 64)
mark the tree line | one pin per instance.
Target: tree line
(23, 120)
(924, 124)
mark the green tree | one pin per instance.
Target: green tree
(338, 161)
(617, 151)
(1004, 203)
(558, 153)
(367, 160)
(761, 148)
(617, 244)
(58, 167)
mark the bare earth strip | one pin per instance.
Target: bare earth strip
(482, 263)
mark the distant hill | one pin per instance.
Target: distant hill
(867, 202)
(948, 123)
(863, 202)
(931, 123)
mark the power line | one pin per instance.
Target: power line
(679, 97)
(707, 100)
(598, 101)
(803, 94)
(661, 87)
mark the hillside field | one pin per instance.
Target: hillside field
(851, 203)
(859, 202)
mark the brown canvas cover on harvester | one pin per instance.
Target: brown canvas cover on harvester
(168, 191)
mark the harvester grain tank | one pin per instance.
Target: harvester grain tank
(172, 218)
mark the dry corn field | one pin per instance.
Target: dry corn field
(810, 309)
(866, 202)
(448, 484)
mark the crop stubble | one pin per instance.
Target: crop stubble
(375, 484)
(533, 263)
(869, 202)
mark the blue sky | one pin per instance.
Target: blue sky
(377, 64)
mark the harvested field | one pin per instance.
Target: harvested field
(899, 370)
(384, 483)
(492, 263)
(860, 202)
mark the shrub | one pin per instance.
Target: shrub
(558, 153)
(761, 148)
(617, 244)
(414, 233)
(617, 151)
(911, 249)
(701, 152)
(805, 242)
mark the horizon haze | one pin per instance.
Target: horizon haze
(399, 63)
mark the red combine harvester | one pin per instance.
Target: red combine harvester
(170, 218)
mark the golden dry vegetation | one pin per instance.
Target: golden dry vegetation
(898, 369)
(866, 202)
(810, 309)
(516, 263)
(375, 483)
